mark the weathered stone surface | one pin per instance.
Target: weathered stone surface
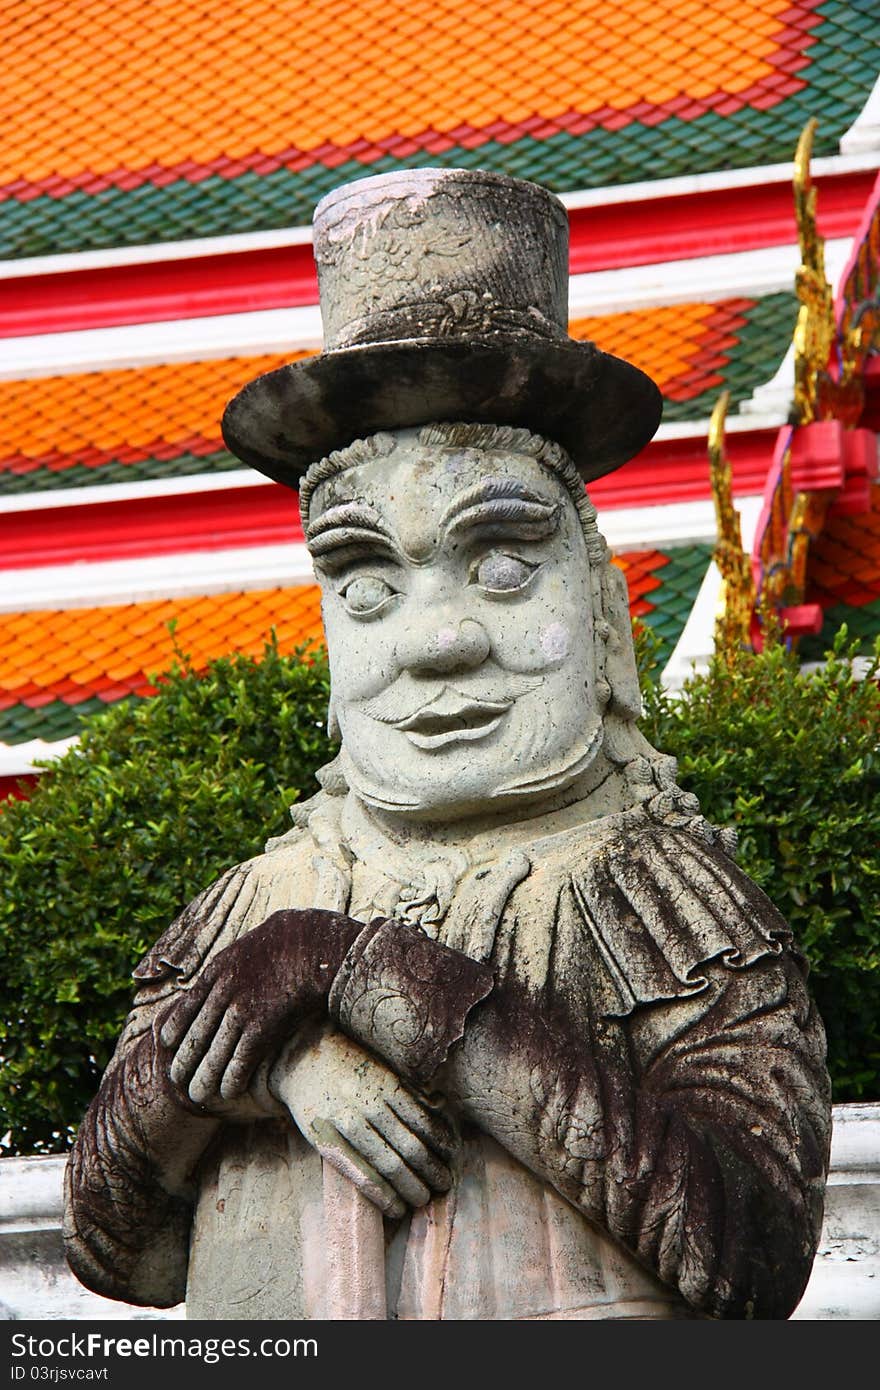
(501, 976)
(35, 1281)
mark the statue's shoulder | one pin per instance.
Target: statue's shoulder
(283, 876)
(662, 850)
(661, 898)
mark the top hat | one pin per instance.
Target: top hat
(444, 297)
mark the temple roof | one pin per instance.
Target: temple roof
(126, 123)
(159, 165)
(138, 423)
(844, 578)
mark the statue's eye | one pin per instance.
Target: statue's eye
(502, 574)
(366, 594)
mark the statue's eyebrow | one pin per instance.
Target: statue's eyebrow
(349, 526)
(502, 504)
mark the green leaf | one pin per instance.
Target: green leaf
(159, 797)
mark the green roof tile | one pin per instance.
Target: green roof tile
(680, 580)
(53, 721)
(114, 471)
(837, 79)
(863, 623)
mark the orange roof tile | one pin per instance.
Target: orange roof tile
(75, 653)
(162, 411)
(114, 410)
(56, 665)
(103, 86)
(679, 345)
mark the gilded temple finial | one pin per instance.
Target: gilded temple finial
(737, 597)
(815, 330)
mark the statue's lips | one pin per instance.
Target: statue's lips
(451, 718)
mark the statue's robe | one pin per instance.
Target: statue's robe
(642, 1097)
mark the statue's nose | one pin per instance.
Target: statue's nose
(448, 647)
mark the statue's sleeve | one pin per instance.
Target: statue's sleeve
(128, 1199)
(679, 1101)
(129, 1183)
(702, 1150)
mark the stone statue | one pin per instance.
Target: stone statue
(498, 1029)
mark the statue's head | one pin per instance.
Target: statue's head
(478, 637)
(465, 588)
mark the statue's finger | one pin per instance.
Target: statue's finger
(333, 1147)
(431, 1127)
(197, 1040)
(415, 1152)
(207, 1081)
(384, 1157)
(249, 1051)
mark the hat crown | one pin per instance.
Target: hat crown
(440, 253)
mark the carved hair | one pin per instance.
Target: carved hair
(375, 446)
(510, 439)
(485, 438)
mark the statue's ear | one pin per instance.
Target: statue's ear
(615, 635)
(333, 729)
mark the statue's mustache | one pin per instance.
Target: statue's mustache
(407, 696)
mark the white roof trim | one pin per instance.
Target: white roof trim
(702, 279)
(150, 252)
(58, 497)
(734, 424)
(189, 574)
(848, 162)
(862, 140)
(17, 759)
(51, 498)
(775, 397)
(151, 344)
(695, 646)
(671, 524)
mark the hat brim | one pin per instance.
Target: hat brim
(601, 409)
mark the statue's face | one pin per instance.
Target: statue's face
(457, 611)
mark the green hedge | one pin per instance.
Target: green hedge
(159, 798)
(792, 759)
(162, 795)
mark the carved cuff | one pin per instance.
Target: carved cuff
(406, 997)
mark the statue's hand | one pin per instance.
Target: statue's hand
(393, 1145)
(249, 999)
